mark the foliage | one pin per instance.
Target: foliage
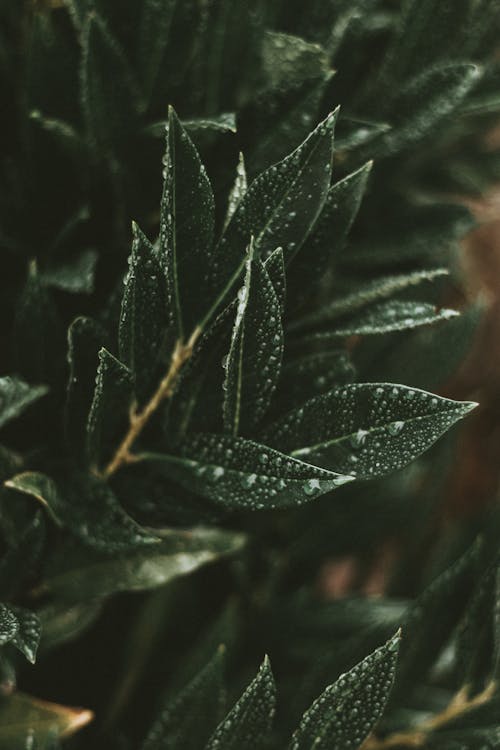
(189, 441)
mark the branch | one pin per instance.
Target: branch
(138, 420)
(417, 737)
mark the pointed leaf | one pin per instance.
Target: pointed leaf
(21, 628)
(345, 713)
(239, 473)
(254, 359)
(16, 396)
(248, 724)
(238, 190)
(186, 228)
(108, 415)
(188, 719)
(367, 429)
(77, 573)
(87, 507)
(143, 318)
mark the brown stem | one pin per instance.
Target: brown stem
(138, 420)
(417, 737)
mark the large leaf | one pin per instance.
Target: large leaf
(143, 319)
(16, 396)
(346, 712)
(21, 628)
(367, 429)
(239, 473)
(30, 722)
(87, 507)
(186, 228)
(188, 719)
(280, 206)
(254, 359)
(248, 724)
(76, 573)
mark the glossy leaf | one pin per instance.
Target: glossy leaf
(346, 712)
(186, 228)
(248, 724)
(16, 396)
(77, 574)
(238, 189)
(143, 318)
(275, 267)
(88, 508)
(21, 628)
(367, 429)
(239, 473)
(254, 358)
(189, 717)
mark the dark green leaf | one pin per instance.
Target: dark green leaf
(248, 724)
(154, 31)
(367, 429)
(21, 628)
(143, 319)
(75, 276)
(238, 189)
(16, 396)
(275, 267)
(254, 358)
(87, 507)
(346, 712)
(239, 473)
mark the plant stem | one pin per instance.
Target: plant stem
(460, 704)
(138, 420)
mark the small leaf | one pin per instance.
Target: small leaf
(279, 207)
(345, 713)
(366, 429)
(239, 473)
(75, 276)
(330, 231)
(238, 190)
(77, 573)
(286, 57)
(25, 720)
(248, 724)
(143, 319)
(109, 411)
(87, 507)
(188, 719)
(223, 123)
(110, 97)
(373, 291)
(21, 628)
(186, 228)
(254, 359)
(16, 396)
(387, 317)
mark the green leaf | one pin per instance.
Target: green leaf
(186, 228)
(275, 267)
(330, 231)
(311, 374)
(289, 58)
(248, 724)
(87, 507)
(25, 720)
(143, 319)
(16, 396)
(75, 276)
(223, 123)
(21, 628)
(279, 207)
(345, 713)
(386, 317)
(254, 359)
(76, 574)
(239, 473)
(21, 561)
(188, 719)
(238, 190)
(362, 296)
(418, 109)
(366, 429)
(153, 37)
(110, 97)
(108, 415)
